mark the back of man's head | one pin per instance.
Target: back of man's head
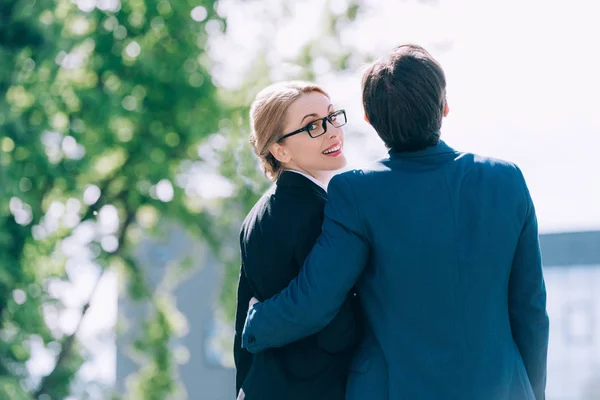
(404, 96)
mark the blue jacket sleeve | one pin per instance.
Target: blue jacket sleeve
(314, 297)
(527, 303)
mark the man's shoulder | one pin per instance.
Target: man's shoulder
(364, 173)
(362, 180)
(495, 174)
(491, 165)
(488, 161)
(349, 177)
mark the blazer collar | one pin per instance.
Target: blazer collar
(292, 179)
(440, 148)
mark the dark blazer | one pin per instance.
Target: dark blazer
(443, 247)
(275, 239)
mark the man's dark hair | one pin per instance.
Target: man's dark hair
(404, 97)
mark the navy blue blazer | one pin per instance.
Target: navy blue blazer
(443, 249)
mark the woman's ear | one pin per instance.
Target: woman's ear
(281, 153)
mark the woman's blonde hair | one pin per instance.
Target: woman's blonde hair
(267, 119)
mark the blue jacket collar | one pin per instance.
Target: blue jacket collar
(440, 148)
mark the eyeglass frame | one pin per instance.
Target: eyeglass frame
(327, 118)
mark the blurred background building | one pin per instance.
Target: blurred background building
(206, 371)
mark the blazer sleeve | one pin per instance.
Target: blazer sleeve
(313, 298)
(527, 302)
(344, 330)
(241, 356)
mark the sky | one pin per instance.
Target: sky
(522, 82)
(523, 85)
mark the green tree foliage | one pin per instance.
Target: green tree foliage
(107, 109)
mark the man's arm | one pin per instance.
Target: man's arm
(344, 330)
(313, 299)
(527, 303)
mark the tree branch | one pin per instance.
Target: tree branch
(69, 341)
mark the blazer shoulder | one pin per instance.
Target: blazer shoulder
(260, 208)
(299, 195)
(504, 175)
(303, 205)
(375, 168)
(350, 177)
(289, 204)
(358, 181)
(490, 162)
(501, 168)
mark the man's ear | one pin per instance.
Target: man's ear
(367, 119)
(446, 108)
(281, 153)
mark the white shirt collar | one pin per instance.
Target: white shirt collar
(312, 178)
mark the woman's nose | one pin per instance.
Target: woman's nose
(333, 131)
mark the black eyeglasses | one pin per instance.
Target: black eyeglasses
(319, 126)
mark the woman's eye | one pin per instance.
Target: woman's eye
(313, 127)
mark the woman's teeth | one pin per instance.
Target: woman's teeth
(332, 150)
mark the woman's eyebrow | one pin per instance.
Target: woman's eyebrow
(313, 114)
(308, 115)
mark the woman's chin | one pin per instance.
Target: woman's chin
(341, 161)
(332, 165)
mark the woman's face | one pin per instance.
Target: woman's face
(319, 156)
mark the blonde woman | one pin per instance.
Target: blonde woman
(298, 136)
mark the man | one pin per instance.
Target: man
(443, 249)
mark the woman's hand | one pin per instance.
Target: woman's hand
(252, 302)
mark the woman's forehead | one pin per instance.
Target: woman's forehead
(313, 102)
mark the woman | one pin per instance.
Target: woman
(298, 136)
